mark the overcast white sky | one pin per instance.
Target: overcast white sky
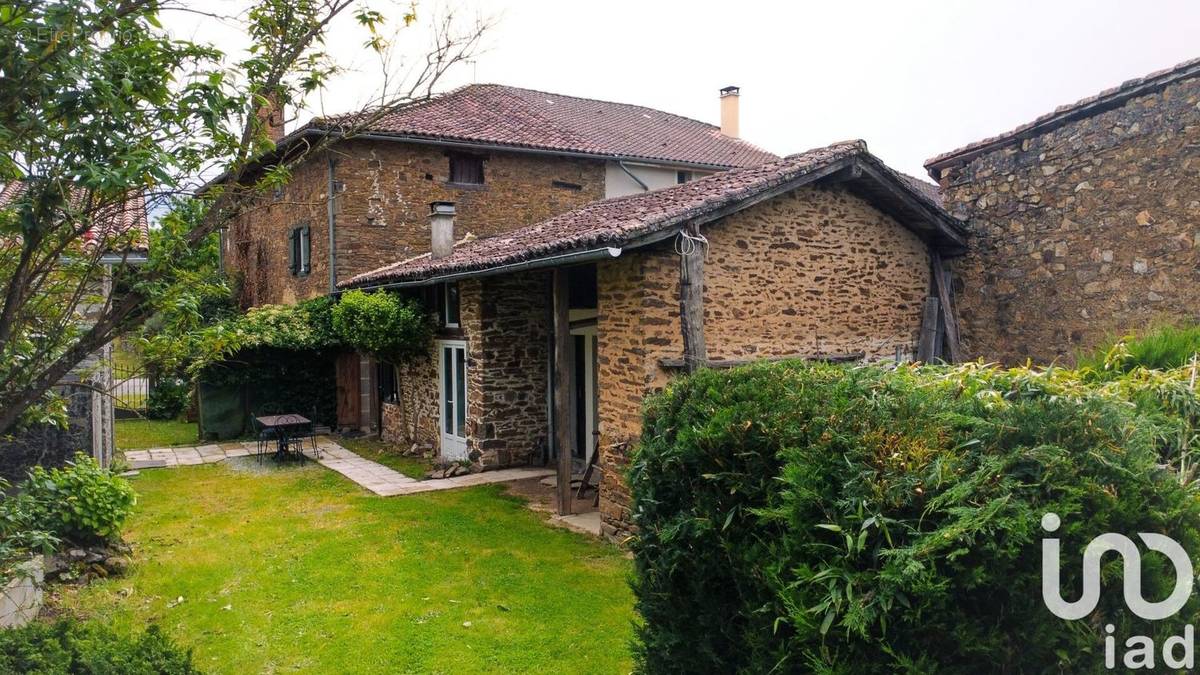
(912, 78)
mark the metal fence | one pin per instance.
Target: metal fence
(130, 391)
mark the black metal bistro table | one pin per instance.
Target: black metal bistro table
(283, 426)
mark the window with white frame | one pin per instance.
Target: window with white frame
(448, 303)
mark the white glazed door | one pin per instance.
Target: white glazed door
(452, 378)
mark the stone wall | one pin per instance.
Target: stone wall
(1081, 233)
(504, 322)
(818, 270)
(510, 410)
(50, 446)
(383, 206)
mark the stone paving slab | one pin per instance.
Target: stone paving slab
(373, 476)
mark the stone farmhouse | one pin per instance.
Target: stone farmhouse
(578, 253)
(1083, 222)
(824, 254)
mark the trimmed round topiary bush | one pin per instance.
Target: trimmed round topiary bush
(383, 324)
(797, 518)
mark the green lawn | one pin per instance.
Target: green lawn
(298, 569)
(133, 434)
(387, 455)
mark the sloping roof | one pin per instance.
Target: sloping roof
(623, 221)
(1064, 114)
(499, 115)
(108, 222)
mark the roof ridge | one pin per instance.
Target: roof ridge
(1069, 112)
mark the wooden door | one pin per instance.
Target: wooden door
(349, 403)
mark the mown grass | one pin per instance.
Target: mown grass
(298, 569)
(387, 455)
(133, 434)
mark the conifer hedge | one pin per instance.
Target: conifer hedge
(799, 518)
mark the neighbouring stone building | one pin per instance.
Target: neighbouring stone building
(825, 254)
(1084, 222)
(120, 234)
(506, 157)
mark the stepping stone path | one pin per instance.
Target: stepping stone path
(371, 475)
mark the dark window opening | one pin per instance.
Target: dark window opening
(299, 251)
(566, 186)
(466, 169)
(682, 177)
(582, 289)
(389, 385)
(448, 305)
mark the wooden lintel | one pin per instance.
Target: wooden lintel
(562, 387)
(678, 363)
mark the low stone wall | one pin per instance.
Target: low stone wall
(21, 598)
(50, 446)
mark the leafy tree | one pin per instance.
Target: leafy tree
(98, 105)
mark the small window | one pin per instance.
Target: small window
(466, 169)
(300, 251)
(682, 177)
(449, 303)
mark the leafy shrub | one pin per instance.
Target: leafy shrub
(67, 647)
(383, 324)
(168, 398)
(1161, 348)
(81, 502)
(810, 518)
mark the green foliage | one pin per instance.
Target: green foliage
(67, 647)
(168, 398)
(383, 324)
(812, 518)
(80, 502)
(1163, 347)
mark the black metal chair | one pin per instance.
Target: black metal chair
(298, 434)
(266, 437)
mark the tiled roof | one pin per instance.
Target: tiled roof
(109, 222)
(1064, 114)
(614, 222)
(510, 116)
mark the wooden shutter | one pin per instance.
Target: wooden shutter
(293, 261)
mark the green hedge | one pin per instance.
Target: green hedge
(811, 518)
(67, 647)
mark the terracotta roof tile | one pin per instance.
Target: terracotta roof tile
(109, 221)
(511, 116)
(613, 222)
(1064, 114)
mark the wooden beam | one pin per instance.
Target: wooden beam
(929, 321)
(691, 300)
(562, 387)
(942, 286)
(678, 364)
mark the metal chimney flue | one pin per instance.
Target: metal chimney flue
(441, 228)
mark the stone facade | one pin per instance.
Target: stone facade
(381, 210)
(504, 322)
(817, 271)
(1083, 232)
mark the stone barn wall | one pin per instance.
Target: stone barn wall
(1086, 231)
(815, 271)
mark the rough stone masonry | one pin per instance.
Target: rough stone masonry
(1083, 232)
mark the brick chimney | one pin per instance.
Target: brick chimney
(729, 112)
(441, 228)
(270, 114)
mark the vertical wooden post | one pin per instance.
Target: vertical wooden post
(691, 307)
(562, 387)
(929, 329)
(941, 285)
